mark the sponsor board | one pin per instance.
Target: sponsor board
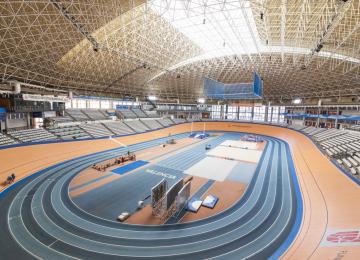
(158, 192)
(173, 192)
(162, 174)
(341, 237)
(183, 196)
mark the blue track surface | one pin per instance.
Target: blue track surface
(110, 200)
(129, 167)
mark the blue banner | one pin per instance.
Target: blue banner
(338, 117)
(2, 116)
(122, 107)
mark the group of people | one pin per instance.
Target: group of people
(10, 179)
(102, 167)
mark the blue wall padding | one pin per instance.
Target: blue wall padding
(129, 167)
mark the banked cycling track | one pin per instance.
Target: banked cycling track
(272, 219)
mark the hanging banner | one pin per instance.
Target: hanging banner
(45, 98)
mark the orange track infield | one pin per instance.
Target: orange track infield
(331, 200)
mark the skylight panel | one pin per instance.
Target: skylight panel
(215, 26)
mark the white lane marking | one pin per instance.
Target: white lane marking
(117, 141)
(53, 243)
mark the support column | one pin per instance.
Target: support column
(278, 118)
(28, 119)
(266, 116)
(6, 122)
(336, 119)
(318, 118)
(252, 113)
(226, 111)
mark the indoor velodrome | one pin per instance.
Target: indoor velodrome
(285, 208)
(180, 129)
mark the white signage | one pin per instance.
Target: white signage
(48, 98)
(162, 174)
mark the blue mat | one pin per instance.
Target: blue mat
(194, 204)
(210, 201)
(129, 167)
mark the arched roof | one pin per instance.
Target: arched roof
(301, 48)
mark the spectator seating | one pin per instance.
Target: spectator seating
(5, 140)
(105, 112)
(179, 120)
(297, 127)
(32, 135)
(165, 121)
(152, 113)
(354, 128)
(137, 126)
(311, 130)
(342, 145)
(77, 115)
(96, 130)
(69, 132)
(79, 130)
(118, 127)
(94, 114)
(61, 119)
(127, 113)
(152, 124)
(328, 134)
(139, 113)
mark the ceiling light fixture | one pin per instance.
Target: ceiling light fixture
(152, 98)
(201, 100)
(296, 101)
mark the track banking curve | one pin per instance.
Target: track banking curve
(43, 222)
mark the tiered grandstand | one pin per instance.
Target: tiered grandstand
(179, 120)
(341, 145)
(151, 124)
(152, 113)
(87, 114)
(5, 140)
(77, 115)
(66, 129)
(137, 126)
(96, 130)
(61, 119)
(354, 127)
(118, 127)
(165, 121)
(32, 135)
(127, 113)
(69, 132)
(140, 113)
(94, 114)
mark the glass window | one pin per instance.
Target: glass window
(282, 117)
(105, 104)
(245, 113)
(259, 113)
(81, 103)
(232, 113)
(216, 112)
(94, 103)
(68, 104)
